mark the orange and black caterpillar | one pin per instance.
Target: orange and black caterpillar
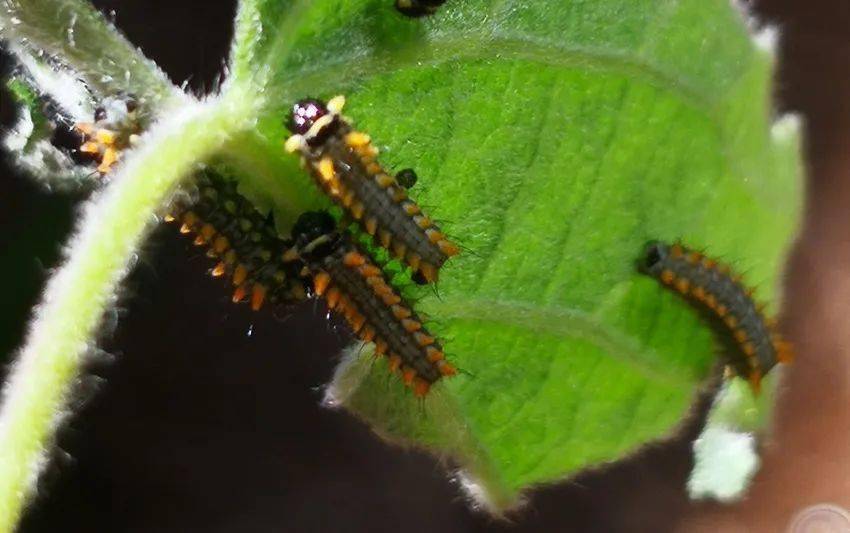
(353, 286)
(342, 162)
(246, 243)
(713, 286)
(116, 127)
(418, 8)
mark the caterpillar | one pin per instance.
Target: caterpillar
(718, 291)
(418, 8)
(246, 244)
(116, 127)
(342, 163)
(354, 287)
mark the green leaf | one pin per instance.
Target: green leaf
(552, 140)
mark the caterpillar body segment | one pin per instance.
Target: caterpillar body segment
(244, 243)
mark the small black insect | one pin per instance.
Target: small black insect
(418, 8)
(406, 178)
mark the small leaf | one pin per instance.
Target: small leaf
(76, 35)
(552, 140)
(69, 55)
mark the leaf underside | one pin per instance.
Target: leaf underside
(552, 140)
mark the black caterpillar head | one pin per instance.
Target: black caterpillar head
(304, 115)
(654, 255)
(315, 234)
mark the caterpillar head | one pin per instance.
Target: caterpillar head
(654, 255)
(315, 235)
(314, 120)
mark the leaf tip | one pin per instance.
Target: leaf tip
(348, 375)
(484, 497)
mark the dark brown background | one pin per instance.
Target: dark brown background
(200, 426)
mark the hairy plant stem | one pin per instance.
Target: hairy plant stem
(98, 258)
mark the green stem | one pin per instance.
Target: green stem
(99, 256)
(268, 173)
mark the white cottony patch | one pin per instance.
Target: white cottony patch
(19, 135)
(786, 127)
(765, 37)
(726, 461)
(51, 166)
(725, 454)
